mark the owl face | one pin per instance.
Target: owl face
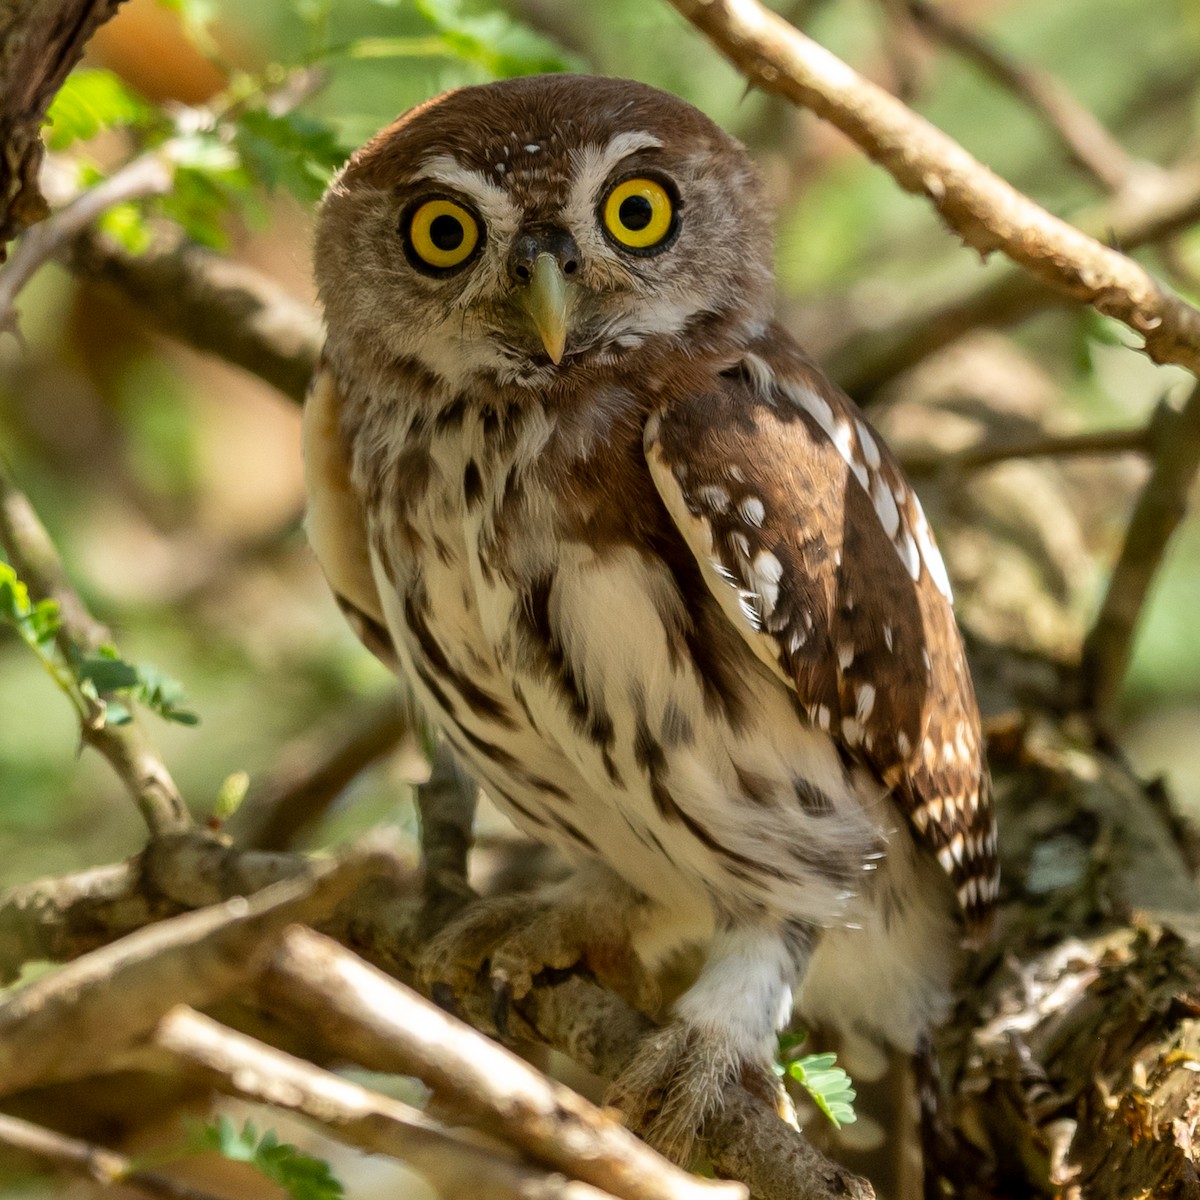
(532, 230)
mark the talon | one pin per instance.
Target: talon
(442, 994)
(502, 997)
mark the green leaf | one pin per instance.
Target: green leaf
(90, 101)
(300, 1175)
(230, 795)
(292, 151)
(494, 41)
(829, 1086)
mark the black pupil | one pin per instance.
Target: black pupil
(446, 232)
(635, 212)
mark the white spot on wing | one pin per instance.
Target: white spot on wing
(870, 448)
(766, 571)
(865, 698)
(753, 512)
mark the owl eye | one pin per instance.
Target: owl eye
(639, 215)
(440, 234)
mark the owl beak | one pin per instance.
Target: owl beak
(548, 300)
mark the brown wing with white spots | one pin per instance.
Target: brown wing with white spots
(335, 524)
(817, 548)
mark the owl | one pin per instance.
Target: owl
(654, 578)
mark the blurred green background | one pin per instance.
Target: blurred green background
(173, 484)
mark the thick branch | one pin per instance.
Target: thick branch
(986, 212)
(365, 1010)
(1157, 514)
(454, 1163)
(127, 749)
(40, 41)
(213, 304)
(71, 1022)
(590, 1025)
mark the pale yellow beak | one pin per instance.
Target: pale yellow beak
(548, 299)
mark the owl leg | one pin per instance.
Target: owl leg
(589, 918)
(724, 1028)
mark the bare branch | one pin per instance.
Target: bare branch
(1083, 136)
(1075, 445)
(454, 1163)
(148, 175)
(126, 747)
(497, 1090)
(69, 1023)
(97, 1163)
(868, 357)
(1158, 512)
(216, 305)
(314, 770)
(986, 212)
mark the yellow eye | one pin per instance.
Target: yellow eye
(442, 234)
(639, 214)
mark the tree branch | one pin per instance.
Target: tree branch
(1074, 445)
(212, 304)
(1160, 507)
(1083, 137)
(456, 1164)
(363, 1012)
(129, 752)
(148, 175)
(40, 41)
(986, 212)
(71, 1022)
(102, 1166)
(312, 771)
(868, 357)
(590, 1025)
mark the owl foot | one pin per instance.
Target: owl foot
(518, 937)
(676, 1084)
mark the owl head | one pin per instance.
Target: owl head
(535, 229)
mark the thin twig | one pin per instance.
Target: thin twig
(99, 1164)
(988, 213)
(453, 1162)
(129, 752)
(1074, 445)
(489, 1084)
(314, 770)
(150, 174)
(1081, 134)
(1160, 507)
(69, 1023)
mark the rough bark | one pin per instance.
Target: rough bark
(40, 41)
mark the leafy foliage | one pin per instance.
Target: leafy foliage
(301, 1175)
(826, 1083)
(90, 101)
(104, 680)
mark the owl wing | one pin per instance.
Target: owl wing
(336, 527)
(817, 550)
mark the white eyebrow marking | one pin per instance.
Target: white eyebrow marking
(591, 165)
(494, 203)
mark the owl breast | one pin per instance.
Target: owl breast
(594, 686)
